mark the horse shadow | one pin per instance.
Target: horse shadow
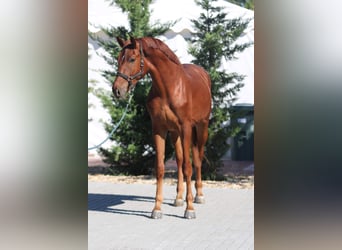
(108, 203)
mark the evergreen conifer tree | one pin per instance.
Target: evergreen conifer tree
(133, 151)
(213, 41)
(248, 4)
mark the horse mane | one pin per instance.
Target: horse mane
(157, 44)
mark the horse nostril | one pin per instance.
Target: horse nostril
(117, 92)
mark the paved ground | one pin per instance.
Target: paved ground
(119, 218)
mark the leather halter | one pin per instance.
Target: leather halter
(129, 79)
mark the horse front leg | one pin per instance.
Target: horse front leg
(176, 140)
(159, 140)
(187, 170)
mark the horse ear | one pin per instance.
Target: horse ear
(120, 41)
(133, 42)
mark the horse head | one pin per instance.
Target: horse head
(130, 67)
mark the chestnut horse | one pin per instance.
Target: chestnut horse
(179, 102)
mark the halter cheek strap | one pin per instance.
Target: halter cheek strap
(129, 79)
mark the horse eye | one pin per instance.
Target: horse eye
(132, 59)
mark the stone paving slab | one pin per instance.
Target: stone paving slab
(119, 218)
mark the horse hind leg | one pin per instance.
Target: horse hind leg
(199, 198)
(200, 135)
(176, 140)
(187, 170)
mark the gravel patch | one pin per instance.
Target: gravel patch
(233, 183)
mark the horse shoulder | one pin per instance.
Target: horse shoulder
(162, 114)
(180, 94)
(154, 104)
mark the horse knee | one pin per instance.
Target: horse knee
(179, 160)
(160, 170)
(187, 170)
(197, 163)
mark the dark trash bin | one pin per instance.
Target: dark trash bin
(242, 116)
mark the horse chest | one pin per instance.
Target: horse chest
(162, 115)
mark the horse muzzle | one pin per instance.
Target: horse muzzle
(124, 89)
(119, 92)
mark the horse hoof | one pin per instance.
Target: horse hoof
(178, 202)
(199, 199)
(156, 214)
(189, 214)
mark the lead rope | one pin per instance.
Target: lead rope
(115, 127)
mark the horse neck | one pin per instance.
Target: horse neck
(163, 73)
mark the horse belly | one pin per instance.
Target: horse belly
(201, 107)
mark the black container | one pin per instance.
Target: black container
(242, 116)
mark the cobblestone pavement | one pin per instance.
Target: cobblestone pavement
(119, 218)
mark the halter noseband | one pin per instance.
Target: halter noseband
(129, 79)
